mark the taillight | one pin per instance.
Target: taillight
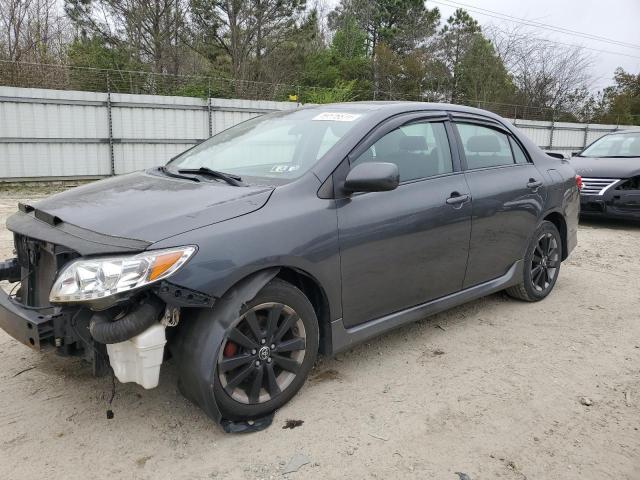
(579, 182)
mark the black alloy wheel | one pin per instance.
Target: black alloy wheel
(262, 354)
(541, 264)
(267, 355)
(545, 262)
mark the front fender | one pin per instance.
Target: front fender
(197, 347)
(301, 235)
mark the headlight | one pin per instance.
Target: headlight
(96, 278)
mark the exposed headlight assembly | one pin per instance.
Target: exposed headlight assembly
(96, 278)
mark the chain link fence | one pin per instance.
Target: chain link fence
(64, 77)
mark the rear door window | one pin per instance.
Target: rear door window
(484, 147)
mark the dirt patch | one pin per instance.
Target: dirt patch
(503, 402)
(325, 376)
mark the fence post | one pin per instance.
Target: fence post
(553, 123)
(586, 136)
(209, 112)
(110, 127)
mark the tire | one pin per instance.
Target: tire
(267, 365)
(541, 265)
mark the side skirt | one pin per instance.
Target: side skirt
(344, 338)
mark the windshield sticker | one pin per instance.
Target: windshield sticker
(284, 168)
(336, 117)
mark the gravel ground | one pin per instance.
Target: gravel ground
(493, 389)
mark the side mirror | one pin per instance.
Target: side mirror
(555, 155)
(372, 177)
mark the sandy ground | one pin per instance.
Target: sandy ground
(491, 389)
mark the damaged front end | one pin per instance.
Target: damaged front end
(26, 313)
(90, 295)
(106, 299)
(613, 198)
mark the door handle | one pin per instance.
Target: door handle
(457, 200)
(534, 184)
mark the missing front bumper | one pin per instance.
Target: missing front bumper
(30, 327)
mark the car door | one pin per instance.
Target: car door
(508, 198)
(404, 247)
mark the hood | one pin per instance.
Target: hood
(150, 207)
(606, 167)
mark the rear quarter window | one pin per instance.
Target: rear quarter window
(518, 153)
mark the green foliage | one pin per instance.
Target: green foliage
(286, 61)
(95, 57)
(150, 30)
(349, 40)
(481, 76)
(96, 53)
(402, 25)
(617, 104)
(341, 92)
(373, 49)
(248, 32)
(622, 101)
(342, 67)
(456, 39)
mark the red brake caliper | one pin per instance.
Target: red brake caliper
(230, 349)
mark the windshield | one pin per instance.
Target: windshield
(282, 145)
(616, 145)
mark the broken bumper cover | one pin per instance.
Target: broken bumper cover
(616, 204)
(30, 327)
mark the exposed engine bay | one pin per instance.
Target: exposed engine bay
(125, 331)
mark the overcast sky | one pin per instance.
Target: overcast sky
(614, 19)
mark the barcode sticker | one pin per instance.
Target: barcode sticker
(336, 117)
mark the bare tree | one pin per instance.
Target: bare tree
(13, 21)
(32, 30)
(151, 28)
(546, 74)
(243, 30)
(323, 8)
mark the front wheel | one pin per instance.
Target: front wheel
(265, 358)
(541, 265)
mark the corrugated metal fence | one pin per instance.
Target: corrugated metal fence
(54, 134)
(561, 136)
(63, 134)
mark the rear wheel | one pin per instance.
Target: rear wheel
(541, 265)
(265, 358)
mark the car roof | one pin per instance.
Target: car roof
(394, 107)
(624, 132)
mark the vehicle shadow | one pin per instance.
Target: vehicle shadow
(425, 335)
(71, 380)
